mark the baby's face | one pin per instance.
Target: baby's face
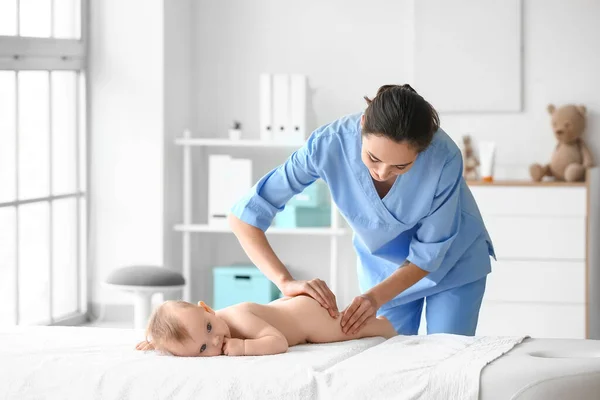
(207, 333)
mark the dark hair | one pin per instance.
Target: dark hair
(399, 113)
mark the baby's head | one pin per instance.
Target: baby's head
(187, 330)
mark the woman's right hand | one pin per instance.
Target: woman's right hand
(315, 288)
(257, 247)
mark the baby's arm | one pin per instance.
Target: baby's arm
(144, 345)
(261, 338)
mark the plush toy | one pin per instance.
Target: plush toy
(571, 156)
(470, 162)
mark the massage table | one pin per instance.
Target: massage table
(101, 363)
(545, 369)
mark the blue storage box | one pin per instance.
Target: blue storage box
(238, 284)
(303, 217)
(314, 195)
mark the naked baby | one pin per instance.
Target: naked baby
(248, 329)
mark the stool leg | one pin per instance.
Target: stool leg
(141, 309)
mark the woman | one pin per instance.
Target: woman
(397, 179)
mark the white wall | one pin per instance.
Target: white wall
(560, 66)
(349, 49)
(207, 75)
(178, 81)
(126, 124)
(346, 48)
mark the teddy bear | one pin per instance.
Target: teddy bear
(571, 156)
(470, 162)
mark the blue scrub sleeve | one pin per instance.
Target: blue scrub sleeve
(437, 231)
(270, 194)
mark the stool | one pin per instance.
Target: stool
(143, 281)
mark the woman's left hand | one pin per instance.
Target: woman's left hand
(355, 316)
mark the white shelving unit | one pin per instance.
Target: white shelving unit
(272, 231)
(187, 227)
(233, 143)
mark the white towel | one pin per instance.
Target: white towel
(416, 367)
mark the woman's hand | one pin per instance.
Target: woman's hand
(354, 317)
(315, 288)
(144, 345)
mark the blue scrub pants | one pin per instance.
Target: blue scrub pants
(454, 311)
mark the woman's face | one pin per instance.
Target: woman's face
(385, 158)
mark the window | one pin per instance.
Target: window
(43, 158)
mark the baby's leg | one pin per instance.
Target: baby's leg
(379, 326)
(325, 329)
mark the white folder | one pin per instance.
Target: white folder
(219, 189)
(281, 107)
(297, 131)
(266, 106)
(240, 179)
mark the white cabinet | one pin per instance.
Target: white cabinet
(539, 285)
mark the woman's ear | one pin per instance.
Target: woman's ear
(206, 307)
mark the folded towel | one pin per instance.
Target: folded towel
(437, 366)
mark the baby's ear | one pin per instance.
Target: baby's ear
(206, 307)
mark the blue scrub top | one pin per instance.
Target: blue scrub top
(429, 216)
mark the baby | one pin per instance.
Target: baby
(248, 329)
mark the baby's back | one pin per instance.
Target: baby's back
(301, 319)
(298, 318)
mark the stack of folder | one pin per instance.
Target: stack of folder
(283, 108)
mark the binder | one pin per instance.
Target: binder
(282, 99)
(281, 107)
(297, 129)
(266, 106)
(219, 189)
(240, 179)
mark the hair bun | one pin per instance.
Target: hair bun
(385, 88)
(407, 86)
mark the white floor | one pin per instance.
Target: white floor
(110, 324)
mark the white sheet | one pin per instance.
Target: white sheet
(84, 363)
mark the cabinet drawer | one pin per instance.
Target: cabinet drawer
(537, 281)
(531, 201)
(535, 320)
(537, 237)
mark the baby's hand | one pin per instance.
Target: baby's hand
(144, 345)
(233, 347)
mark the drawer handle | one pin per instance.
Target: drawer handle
(246, 277)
